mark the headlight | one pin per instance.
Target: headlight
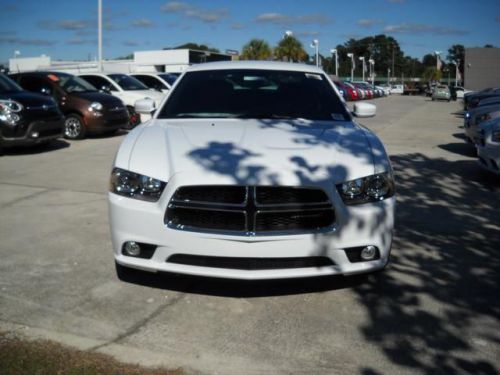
(135, 185)
(9, 110)
(495, 136)
(367, 189)
(95, 106)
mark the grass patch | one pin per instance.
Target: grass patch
(43, 357)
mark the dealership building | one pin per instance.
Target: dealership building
(169, 60)
(481, 68)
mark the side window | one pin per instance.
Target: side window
(34, 84)
(151, 82)
(98, 82)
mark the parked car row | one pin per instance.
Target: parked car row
(482, 126)
(359, 90)
(37, 107)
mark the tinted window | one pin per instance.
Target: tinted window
(127, 83)
(254, 94)
(34, 83)
(169, 77)
(8, 85)
(72, 84)
(98, 82)
(151, 82)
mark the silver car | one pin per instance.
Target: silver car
(477, 116)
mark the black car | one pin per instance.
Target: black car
(27, 118)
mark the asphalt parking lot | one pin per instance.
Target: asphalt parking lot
(434, 309)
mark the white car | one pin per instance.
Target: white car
(127, 88)
(488, 145)
(252, 170)
(157, 81)
(397, 89)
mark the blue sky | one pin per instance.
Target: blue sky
(67, 29)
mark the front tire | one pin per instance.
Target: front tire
(74, 127)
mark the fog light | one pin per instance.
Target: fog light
(132, 249)
(34, 134)
(368, 252)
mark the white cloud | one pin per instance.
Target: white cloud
(408, 28)
(288, 20)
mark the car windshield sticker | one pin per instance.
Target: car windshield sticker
(314, 76)
(53, 77)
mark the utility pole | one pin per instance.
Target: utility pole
(392, 59)
(99, 34)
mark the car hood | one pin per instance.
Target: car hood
(28, 99)
(129, 97)
(105, 99)
(250, 152)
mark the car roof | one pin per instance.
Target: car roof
(259, 65)
(42, 73)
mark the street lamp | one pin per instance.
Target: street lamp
(334, 52)
(372, 69)
(351, 55)
(456, 63)
(315, 44)
(437, 53)
(362, 58)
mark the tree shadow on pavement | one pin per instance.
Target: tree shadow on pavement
(429, 312)
(55, 145)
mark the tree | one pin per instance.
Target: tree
(256, 49)
(431, 74)
(457, 52)
(290, 49)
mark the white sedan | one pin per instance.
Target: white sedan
(127, 88)
(252, 170)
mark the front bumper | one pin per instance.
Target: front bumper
(108, 122)
(37, 132)
(356, 226)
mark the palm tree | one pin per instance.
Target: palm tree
(256, 49)
(290, 49)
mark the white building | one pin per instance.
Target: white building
(170, 61)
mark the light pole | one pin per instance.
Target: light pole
(315, 44)
(372, 69)
(389, 76)
(457, 63)
(437, 53)
(288, 34)
(362, 58)
(334, 52)
(99, 34)
(351, 55)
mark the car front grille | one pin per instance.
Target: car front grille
(249, 210)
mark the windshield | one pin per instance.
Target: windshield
(169, 77)
(8, 85)
(259, 94)
(128, 83)
(71, 84)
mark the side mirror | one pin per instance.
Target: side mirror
(364, 110)
(46, 91)
(145, 106)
